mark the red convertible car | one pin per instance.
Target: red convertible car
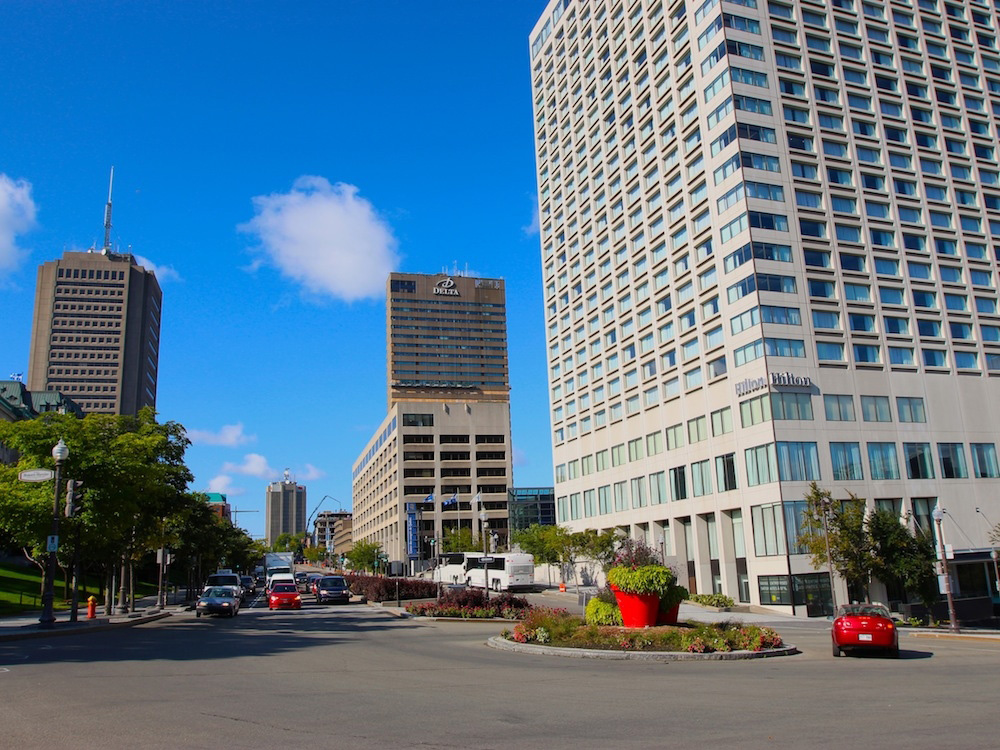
(284, 596)
(864, 627)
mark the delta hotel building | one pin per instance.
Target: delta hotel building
(440, 460)
(769, 234)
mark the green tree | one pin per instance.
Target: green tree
(134, 480)
(364, 556)
(902, 556)
(849, 543)
(460, 540)
(286, 542)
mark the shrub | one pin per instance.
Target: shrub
(713, 600)
(380, 589)
(635, 553)
(472, 604)
(645, 579)
(600, 612)
(553, 625)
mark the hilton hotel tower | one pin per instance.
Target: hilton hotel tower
(769, 237)
(441, 458)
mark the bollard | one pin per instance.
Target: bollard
(92, 608)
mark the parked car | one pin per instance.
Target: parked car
(332, 589)
(864, 627)
(249, 585)
(218, 600)
(284, 596)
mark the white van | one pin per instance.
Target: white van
(279, 578)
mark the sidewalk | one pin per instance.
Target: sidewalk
(26, 625)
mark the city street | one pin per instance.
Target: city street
(355, 677)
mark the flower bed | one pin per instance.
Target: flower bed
(471, 604)
(558, 628)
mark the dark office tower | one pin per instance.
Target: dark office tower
(96, 332)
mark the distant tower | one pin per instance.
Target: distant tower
(96, 330)
(286, 508)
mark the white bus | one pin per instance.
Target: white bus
(506, 571)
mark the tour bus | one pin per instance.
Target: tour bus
(502, 572)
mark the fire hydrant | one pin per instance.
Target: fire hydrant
(92, 608)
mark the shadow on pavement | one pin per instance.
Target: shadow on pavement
(186, 638)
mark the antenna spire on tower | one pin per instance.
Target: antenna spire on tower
(107, 215)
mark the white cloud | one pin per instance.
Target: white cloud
(163, 273)
(17, 216)
(325, 237)
(311, 473)
(224, 483)
(532, 228)
(230, 435)
(254, 465)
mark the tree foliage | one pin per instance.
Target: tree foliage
(460, 540)
(863, 546)
(364, 555)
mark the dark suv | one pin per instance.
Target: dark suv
(332, 589)
(302, 582)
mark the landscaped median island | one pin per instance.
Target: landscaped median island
(472, 604)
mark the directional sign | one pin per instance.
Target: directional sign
(36, 475)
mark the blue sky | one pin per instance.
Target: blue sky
(273, 162)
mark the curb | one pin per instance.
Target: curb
(31, 632)
(502, 644)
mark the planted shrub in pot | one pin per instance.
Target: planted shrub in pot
(641, 582)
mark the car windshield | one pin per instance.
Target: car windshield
(219, 592)
(247, 581)
(331, 583)
(864, 610)
(284, 588)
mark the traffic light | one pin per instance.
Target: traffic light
(73, 497)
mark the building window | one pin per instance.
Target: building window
(875, 409)
(774, 590)
(910, 409)
(839, 408)
(882, 461)
(984, 461)
(657, 488)
(952, 456)
(678, 484)
(701, 478)
(918, 461)
(761, 464)
(791, 406)
(725, 472)
(797, 461)
(846, 459)
(768, 530)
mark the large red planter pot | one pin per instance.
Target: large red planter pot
(638, 610)
(668, 617)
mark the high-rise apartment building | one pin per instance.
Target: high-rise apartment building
(285, 508)
(769, 237)
(96, 332)
(440, 460)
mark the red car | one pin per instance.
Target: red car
(284, 596)
(864, 627)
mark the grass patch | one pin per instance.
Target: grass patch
(20, 589)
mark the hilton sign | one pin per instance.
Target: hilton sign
(775, 378)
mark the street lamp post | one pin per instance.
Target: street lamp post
(48, 619)
(826, 503)
(938, 515)
(486, 566)
(996, 571)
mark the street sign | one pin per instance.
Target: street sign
(486, 560)
(36, 475)
(52, 543)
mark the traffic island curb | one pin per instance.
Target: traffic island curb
(79, 628)
(502, 644)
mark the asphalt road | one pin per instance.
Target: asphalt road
(354, 677)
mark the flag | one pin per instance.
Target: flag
(478, 498)
(429, 498)
(451, 500)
